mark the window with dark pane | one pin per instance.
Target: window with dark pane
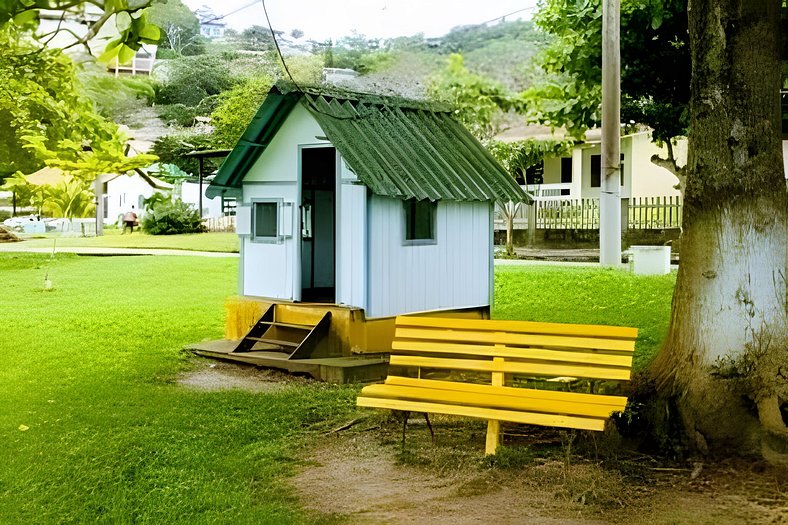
(265, 220)
(420, 220)
(596, 171)
(566, 174)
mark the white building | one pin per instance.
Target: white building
(364, 201)
(122, 192)
(211, 26)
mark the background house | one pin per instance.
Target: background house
(370, 202)
(211, 26)
(121, 192)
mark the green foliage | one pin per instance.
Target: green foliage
(478, 102)
(130, 17)
(134, 30)
(192, 79)
(171, 217)
(518, 156)
(236, 109)
(158, 198)
(53, 123)
(171, 149)
(178, 114)
(655, 65)
(72, 198)
(115, 97)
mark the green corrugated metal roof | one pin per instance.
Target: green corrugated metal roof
(396, 148)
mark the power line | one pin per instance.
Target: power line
(532, 8)
(287, 70)
(214, 19)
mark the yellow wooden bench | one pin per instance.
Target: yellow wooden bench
(465, 367)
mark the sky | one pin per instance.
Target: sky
(323, 19)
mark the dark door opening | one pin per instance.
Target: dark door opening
(318, 225)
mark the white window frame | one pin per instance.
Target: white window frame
(275, 239)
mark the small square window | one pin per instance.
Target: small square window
(420, 220)
(266, 220)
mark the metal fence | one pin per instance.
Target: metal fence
(583, 214)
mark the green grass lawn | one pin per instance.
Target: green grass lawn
(588, 296)
(89, 368)
(207, 242)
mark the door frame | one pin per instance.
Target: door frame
(297, 289)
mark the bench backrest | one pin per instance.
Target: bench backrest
(514, 347)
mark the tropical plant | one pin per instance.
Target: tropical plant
(171, 217)
(71, 198)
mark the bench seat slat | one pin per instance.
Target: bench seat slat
(581, 330)
(508, 338)
(514, 367)
(541, 354)
(613, 403)
(528, 418)
(487, 400)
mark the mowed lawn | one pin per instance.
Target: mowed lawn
(95, 428)
(206, 242)
(89, 368)
(580, 295)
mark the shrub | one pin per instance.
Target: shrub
(178, 114)
(236, 109)
(190, 80)
(168, 218)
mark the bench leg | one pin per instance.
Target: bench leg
(405, 416)
(493, 437)
(429, 425)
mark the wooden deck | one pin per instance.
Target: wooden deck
(346, 369)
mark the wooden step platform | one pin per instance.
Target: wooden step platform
(350, 369)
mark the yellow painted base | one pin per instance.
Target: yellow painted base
(350, 332)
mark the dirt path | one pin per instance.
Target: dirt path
(356, 478)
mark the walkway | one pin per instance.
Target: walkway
(11, 247)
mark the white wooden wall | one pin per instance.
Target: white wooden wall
(351, 240)
(454, 273)
(272, 269)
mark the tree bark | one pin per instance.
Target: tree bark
(727, 347)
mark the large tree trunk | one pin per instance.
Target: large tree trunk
(725, 360)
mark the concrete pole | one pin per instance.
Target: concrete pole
(610, 190)
(98, 190)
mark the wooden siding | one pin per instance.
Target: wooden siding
(453, 273)
(272, 269)
(351, 240)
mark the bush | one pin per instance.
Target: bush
(236, 108)
(178, 114)
(168, 218)
(190, 80)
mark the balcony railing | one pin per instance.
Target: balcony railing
(550, 192)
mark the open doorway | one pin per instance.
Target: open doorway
(318, 224)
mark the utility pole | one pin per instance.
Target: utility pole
(610, 190)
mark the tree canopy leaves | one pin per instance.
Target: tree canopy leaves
(655, 65)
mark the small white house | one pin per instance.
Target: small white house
(364, 201)
(121, 192)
